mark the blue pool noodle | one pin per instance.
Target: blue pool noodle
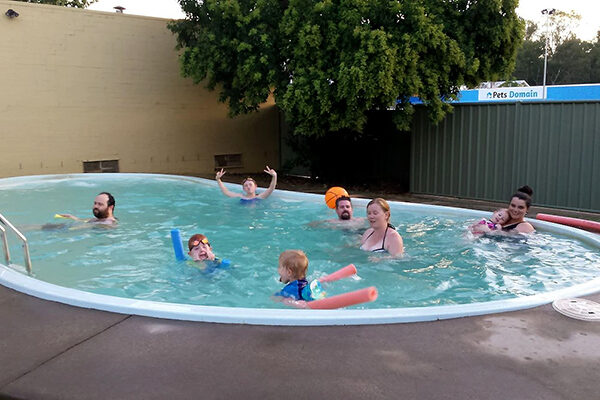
(177, 245)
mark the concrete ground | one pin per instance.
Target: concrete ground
(54, 351)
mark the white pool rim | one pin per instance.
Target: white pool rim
(21, 282)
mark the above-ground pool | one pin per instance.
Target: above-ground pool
(445, 272)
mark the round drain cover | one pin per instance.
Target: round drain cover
(583, 309)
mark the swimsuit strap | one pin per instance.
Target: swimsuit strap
(384, 235)
(510, 227)
(382, 248)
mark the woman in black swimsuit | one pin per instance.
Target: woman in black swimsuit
(517, 209)
(381, 236)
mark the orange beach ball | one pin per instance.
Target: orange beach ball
(332, 195)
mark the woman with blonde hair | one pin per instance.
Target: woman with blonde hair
(381, 236)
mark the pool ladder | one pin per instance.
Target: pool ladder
(7, 223)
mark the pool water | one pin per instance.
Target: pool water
(443, 264)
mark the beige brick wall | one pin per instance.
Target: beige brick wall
(81, 85)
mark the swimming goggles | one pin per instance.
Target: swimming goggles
(197, 242)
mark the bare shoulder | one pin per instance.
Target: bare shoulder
(525, 227)
(106, 221)
(393, 232)
(394, 244)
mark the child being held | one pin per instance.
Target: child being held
(293, 265)
(499, 218)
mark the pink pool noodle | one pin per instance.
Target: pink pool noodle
(576, 222)
(345, 272)
(344, 300)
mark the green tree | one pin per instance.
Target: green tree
(66, 3)
(570, 60)
(329, 62)
(530, 62)
(561, 27)
(570, 63)
(595, 60)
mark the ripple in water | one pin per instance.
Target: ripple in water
(442, 265)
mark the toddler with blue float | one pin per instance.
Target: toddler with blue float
(298, 292)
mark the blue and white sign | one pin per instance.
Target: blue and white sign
(511, 94)
(587, 92)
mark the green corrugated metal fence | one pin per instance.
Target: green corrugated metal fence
(486, 151)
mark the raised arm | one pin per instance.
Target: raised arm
(271, 187)
(225, 191)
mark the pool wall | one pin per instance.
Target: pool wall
(12, 278)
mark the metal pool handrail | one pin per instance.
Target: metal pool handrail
(6, 222)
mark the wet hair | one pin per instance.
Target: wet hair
(337, 201)
(248, 179)
(296, 261)
(382, 203)
(524, 193)
(111, 199)
(198, 237)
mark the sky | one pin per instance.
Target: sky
(528, 9)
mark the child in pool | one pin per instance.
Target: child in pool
(202, 255)
(199, 248)
(293, 265)
(499, 217)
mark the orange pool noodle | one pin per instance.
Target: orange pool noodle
(344, 300)
(332, 195)
(576, 222)
(341, 273)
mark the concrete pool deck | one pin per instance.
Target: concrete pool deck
(54, 351)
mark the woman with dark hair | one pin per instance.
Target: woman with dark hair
(517, 209)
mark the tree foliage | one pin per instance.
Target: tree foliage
(570, 60)
(329, 62)
(65, 3)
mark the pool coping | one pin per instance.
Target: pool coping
(265, 316)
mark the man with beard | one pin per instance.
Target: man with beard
(343, 208)
(345, 213)
(104, 205)
(345, 220)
